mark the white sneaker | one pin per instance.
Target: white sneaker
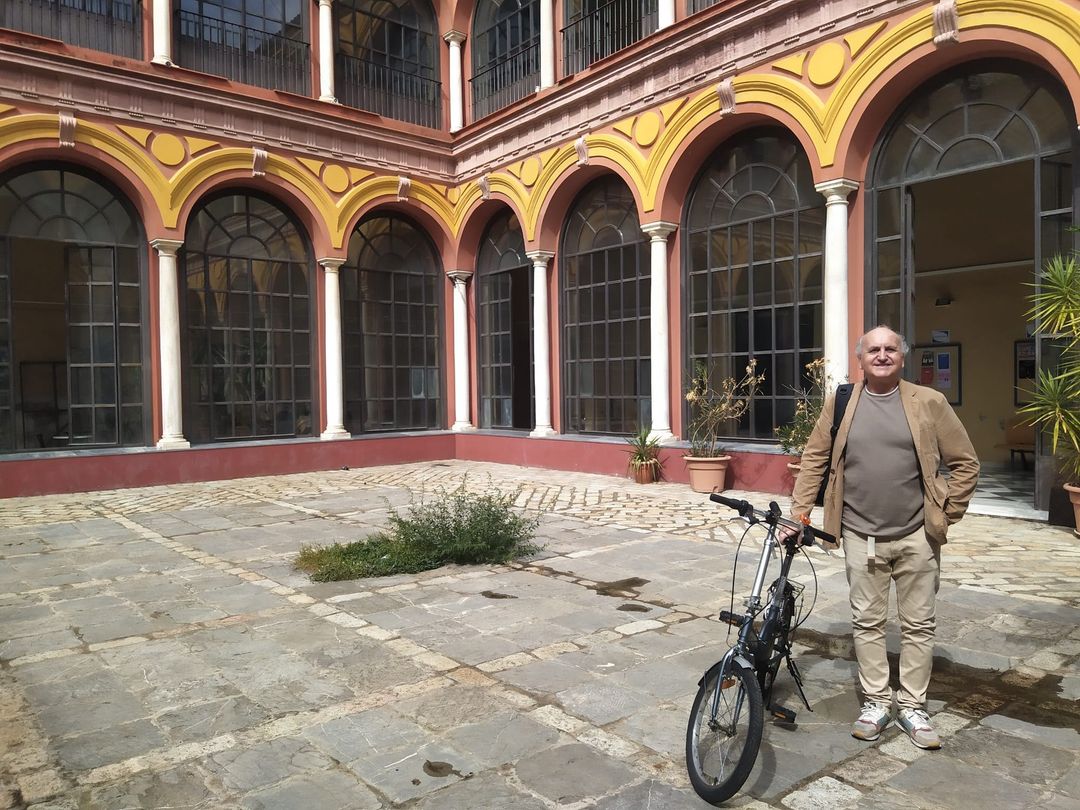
(917, 725)
(873, 720)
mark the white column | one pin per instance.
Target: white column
(326, 52)
(462, 422)
(172, 428)
(335, 400)
(665, 14)
(547, 43)
(457, 96)
(541, 343)
(660, 333)
(835, 282)
(162, 32)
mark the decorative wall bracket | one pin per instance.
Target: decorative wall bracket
(258, 162)
(725, 92)
(485, 187)
(946, 22)
(68, 122)
(582, 149)
(403, 187)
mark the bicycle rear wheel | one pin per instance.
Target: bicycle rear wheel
(724, 732)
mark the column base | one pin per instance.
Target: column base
(329, 99)
(543, 432)
(663, 436)
(173, 443)
(332, 434)
(463, 427)
(163, 60)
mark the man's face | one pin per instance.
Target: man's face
(882, 361)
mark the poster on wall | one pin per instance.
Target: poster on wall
(939, 367)
(1024, 371)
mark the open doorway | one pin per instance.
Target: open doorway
(973, 244)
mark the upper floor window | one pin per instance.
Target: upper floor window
(599, 28)
(387, 59)
(260, 42)
(506, 53)
(114, 26)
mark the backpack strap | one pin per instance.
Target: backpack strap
(843, 396)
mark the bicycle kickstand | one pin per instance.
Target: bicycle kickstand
(795, 676)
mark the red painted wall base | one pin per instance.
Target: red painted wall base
(761, 472)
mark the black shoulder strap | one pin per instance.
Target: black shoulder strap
(843, 395)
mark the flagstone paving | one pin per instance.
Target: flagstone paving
(157, 649)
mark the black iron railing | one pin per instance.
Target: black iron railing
(511, 78)
(610, 28)
(386, 91)
(242, 54)
(114, 26)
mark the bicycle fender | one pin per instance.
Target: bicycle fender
(738, 659)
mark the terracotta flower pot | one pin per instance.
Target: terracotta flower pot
(795, 465)
(645, 473)
(1074, 497)
(707, 474)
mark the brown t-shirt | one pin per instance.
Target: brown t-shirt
(882, 485)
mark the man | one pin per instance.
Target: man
(889, 502)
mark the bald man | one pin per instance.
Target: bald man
(889, 502)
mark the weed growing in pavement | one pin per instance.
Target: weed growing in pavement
(456, 527)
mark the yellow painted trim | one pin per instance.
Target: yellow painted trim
(699, 108)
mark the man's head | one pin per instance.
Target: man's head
(881, 353)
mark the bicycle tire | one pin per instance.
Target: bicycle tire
(719, 760)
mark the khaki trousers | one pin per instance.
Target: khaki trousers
(914, 564)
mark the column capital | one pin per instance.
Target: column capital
(331, 265)
(660, 229)
(837, 190)
(166, 246)
(327, 3)
(539, 256)
(454, 37)
(459, 275)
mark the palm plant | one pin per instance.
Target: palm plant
(1055, 405)
(644, 462)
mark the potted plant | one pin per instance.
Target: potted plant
(1055, 405)
(644, 464)
(714, 405)
(808, 404)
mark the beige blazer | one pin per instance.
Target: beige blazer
(939, 437)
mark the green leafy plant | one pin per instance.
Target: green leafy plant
(1055, 404)
(808, 404)
(458, 527)
(644, 452)
(716, 404)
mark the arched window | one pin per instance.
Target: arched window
(391, 306)
(387, 59)
(249, 322)
(71, 304)
(504, 327)
(752, 268)
(250, 41)
(598, 28)
(604, 271)
(970, 120)
(506, 53)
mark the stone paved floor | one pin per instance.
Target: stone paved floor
(158, 650)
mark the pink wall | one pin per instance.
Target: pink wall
(762, 472)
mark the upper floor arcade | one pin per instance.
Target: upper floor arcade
(440, 66)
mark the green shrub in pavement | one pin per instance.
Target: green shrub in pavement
(459, 527)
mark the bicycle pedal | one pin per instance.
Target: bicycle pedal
(783, 713)
(727, 617)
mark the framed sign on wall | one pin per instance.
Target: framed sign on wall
(939, 367)
(1023, 371)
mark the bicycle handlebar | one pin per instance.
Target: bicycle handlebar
(773, 518)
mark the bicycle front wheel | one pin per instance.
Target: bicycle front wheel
(724, 732)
